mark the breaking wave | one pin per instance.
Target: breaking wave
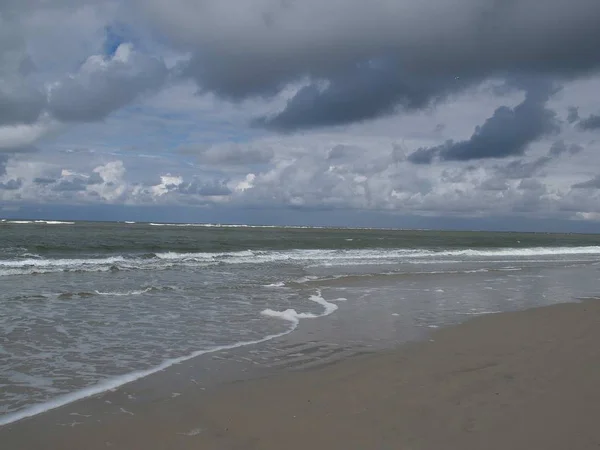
(34, 264)
(39, 222)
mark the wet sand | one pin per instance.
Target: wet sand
(524, 380)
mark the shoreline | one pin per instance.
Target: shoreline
(120, 381)
(468, 382)
(289, 316)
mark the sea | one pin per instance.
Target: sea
(87, 307)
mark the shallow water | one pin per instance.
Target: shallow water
(93, 304)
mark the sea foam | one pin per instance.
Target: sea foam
(291, 315)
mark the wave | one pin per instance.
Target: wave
(84, 294)
(136, 291)
(309, 258)
(54, 222)
(225, 225)
(277, 284)
(119, 381)
(323, 257)
(125, 293)
(59, 262)
(42, 265)
(44, 222)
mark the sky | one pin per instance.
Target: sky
(476, 114)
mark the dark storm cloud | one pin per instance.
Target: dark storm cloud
(590, 123)
(358, 95)
(374, 57)
(594, 183)
(507, 133)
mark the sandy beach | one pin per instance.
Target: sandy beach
(524, 380)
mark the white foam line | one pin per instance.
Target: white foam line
(125, 294)
(278, 284)
(479, 313)
(54, 222)
(60, 262)
(43, 222)
(117, 382)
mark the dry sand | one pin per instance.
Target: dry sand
(526, 380)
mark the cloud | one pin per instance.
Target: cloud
(105, 84)
(231, 154)
(590, 123)
(559, 147)
(95, 178)
(44, 180)
(343, 152)
(21, 138)
(494, 184)
(530, 184)
(11, 185)
(3, 161)
(364, 60)
(594, 183)
(73, 185)
(573, 114)
(36, 34)
(507, 133)
(519, 169)
(167, 184)
(113, 187)
(426, 155)
(358, 95)
(204, 189)
(20, 104)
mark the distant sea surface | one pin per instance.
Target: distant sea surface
(86, 307)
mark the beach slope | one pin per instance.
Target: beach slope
(524, 380)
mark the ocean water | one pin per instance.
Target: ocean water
(86, 307)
